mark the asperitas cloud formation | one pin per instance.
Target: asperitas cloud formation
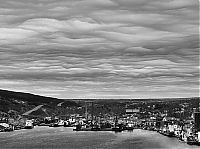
(100, 48)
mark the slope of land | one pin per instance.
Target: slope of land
(26, 103)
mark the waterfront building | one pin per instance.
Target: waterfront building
(132, 111)
(197, 121)
(198, 136)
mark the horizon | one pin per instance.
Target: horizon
(101, 98)
(108, 49)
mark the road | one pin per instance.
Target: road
(34, 109)
(60, 104)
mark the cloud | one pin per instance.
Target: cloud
(100, 48)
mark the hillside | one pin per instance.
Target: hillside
(23, 102)
(27, 97)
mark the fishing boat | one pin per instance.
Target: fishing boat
(129, 127)
(5, 127)
(191, 140)
(28, 124)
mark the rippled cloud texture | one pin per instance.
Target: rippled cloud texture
(100, 48)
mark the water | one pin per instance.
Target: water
(65, 138)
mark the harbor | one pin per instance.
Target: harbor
(65, 137)
(134, 119)
(99, 74)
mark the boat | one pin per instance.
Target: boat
(97, 128)
(66, 124)
(29, 124)
(17, 127)
(129, 127)
(191, 140)
(57, 123)
(4, 127)
(167, 133)
(54, 125)
(117, 129)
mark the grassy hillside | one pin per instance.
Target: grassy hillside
(27, 97)
(22, 102)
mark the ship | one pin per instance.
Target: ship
(28, 124)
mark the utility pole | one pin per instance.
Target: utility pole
(86, 112)
(92, 113)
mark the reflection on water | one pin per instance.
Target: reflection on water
(47, 137)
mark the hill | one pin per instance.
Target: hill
(23, 102)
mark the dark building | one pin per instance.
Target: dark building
(197, 121)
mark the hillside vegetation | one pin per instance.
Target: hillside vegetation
(22, 102)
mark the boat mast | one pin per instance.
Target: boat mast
(92, 114)
(86, 112)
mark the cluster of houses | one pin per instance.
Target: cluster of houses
(186, 130)
(8, 124)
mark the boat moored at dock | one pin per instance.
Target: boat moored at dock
(29, 124)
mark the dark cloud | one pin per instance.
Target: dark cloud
(100, 48)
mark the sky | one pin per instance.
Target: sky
(100, 48)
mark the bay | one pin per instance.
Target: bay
(66, 138)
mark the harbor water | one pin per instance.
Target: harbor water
(66, 138)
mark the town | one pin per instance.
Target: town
(178, 118)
